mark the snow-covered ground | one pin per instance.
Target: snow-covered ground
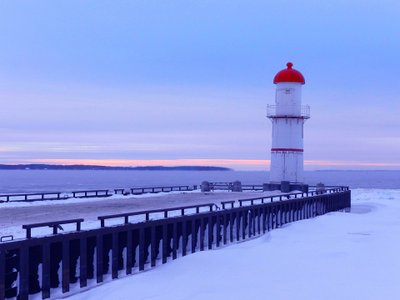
(340, 255)
(14, 214)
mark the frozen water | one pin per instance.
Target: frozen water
(68, 180)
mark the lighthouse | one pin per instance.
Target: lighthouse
(288, 116)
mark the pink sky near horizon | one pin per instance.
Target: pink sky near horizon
(238, 164)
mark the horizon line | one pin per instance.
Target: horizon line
(215, 162)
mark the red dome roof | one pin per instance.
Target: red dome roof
(289, 75)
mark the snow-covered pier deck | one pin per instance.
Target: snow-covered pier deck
(14, 215)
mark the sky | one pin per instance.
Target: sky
(188, 82)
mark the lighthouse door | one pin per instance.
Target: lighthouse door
(290, 161)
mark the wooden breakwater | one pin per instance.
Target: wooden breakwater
(59, 262)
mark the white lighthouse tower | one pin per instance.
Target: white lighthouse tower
(288, 117)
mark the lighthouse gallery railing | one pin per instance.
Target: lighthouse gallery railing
(289, 111)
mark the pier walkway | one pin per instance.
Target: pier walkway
(17, 214)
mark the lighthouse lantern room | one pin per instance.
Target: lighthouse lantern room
(288, 116)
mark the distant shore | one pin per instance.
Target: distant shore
(93, 167)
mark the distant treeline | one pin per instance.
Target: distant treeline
(89, 167)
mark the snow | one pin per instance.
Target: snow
(14, 214)
(336, 256)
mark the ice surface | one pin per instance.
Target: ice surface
(28, 181)
(336, 256)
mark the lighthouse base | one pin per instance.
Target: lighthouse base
(285, 187)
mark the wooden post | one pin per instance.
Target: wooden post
(65, 266)
(46, 271)
(184, 237)
(23, 273)
(174, 240)
(141, 249)
(202, 229)
(153, 246)
(114, 255)
(210, 232)
(194, 235)
(83, 262)
(165, 243)
(99, 258)
(129, 252)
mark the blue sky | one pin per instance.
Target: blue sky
(178, 82)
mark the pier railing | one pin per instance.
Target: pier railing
(91, 193)
(73, 260)
(162, 189)
(228, 186)
(30, 197)
(55, 225)
(147, 213)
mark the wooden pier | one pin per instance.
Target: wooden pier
(81, 257)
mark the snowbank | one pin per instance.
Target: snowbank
(337, 256)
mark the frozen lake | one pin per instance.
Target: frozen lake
(17, 181)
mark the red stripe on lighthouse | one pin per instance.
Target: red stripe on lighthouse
(286, 150)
